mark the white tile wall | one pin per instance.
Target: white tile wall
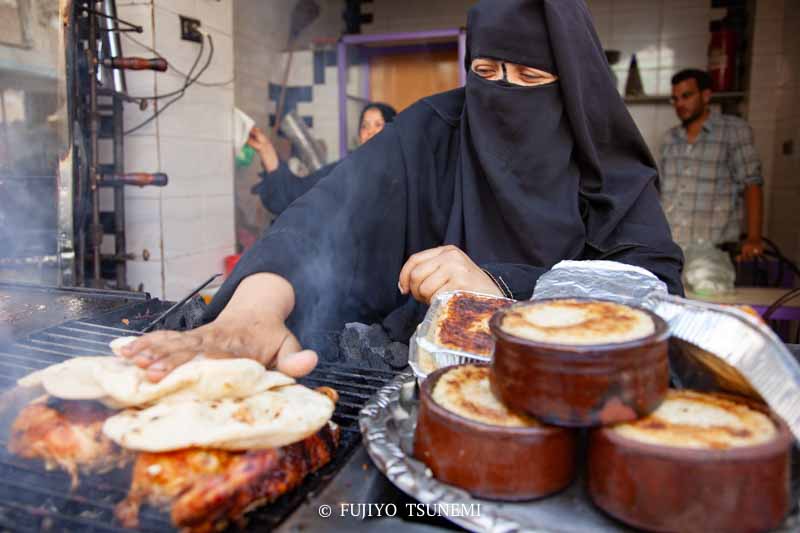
(191, 142)
(148, 275)
(217, 224)
(776, 119)
(143, 224)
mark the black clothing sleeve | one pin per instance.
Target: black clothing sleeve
(340, 245)
(516, 281)
(279, 188)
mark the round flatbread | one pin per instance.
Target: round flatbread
(119, 383)
(269, 419)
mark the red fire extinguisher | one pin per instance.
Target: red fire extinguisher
(722, 56)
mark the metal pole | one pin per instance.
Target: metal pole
(96, 229)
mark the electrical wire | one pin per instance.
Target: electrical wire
(181, 92)
(171, 67)
(187, 79)
(789, 296)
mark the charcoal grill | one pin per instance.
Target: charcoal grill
(33, 499)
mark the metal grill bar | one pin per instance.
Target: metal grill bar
(87, 351)
(94, 332)
(120, 331)
(94, 486)
(104, 344)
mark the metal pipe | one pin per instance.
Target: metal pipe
(111, 42)
(119, 196)
(295, 129)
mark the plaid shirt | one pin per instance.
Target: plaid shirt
(702, 182)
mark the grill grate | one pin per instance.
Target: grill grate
(33, 499)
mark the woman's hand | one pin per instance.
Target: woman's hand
(445, 268)
(266, 150)
(252, 325)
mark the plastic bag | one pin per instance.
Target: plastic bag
(707, 270)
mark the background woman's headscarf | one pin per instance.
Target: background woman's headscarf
(387, 112)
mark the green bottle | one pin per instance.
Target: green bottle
(245, 156)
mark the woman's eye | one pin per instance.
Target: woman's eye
(484, 71)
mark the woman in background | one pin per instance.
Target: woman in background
(279, 186)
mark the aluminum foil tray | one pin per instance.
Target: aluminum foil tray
(387, 423)
(737, 350)
(424, 354)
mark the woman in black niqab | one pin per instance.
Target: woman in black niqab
(516, 177)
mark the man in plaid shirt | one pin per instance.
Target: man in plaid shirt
(709, 167)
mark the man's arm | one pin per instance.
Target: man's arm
(745, 167)
(753, 245)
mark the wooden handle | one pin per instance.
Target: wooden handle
(136, 63)
(140, 179)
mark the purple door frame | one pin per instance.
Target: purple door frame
(355, 40)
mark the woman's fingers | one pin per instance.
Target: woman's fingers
(425, 290)
(413, 262)
(422, 272)
(297, 364)
(160, 368)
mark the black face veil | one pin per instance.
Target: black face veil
(543, 170)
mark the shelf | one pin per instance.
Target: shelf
(664, 98)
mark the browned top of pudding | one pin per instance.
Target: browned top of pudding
(464, 390)
(464, 323)
(688, 419)
(577, 322)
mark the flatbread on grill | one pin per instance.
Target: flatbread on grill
(269, 419)
(118, 383)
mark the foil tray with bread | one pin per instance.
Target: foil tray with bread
(570, 424)
(455, 330)
(210, 442)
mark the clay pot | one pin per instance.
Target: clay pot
(580, 385)
(664, 488)
(492, 462)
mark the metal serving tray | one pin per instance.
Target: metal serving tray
(387, 423)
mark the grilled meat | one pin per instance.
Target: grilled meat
(207, 489)
(66, 434)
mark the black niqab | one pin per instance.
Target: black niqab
(518, 182)
(539, 174)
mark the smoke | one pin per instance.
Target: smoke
(28, 195)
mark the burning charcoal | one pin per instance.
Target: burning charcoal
(364, 345)
(351, 346)
(396, 355)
